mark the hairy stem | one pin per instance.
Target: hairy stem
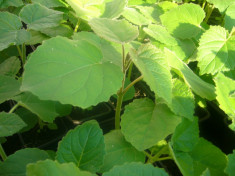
(2, 153)
(132, 83)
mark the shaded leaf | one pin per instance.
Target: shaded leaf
(231, 164)
(36, 37)
(61, 30)
(50, 3)
(221, 5)
(230, 17)
(10, 66)
(8, 3)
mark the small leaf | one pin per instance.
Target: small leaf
(154, 67)
(230, 17)
(144, 123)
(119, 31)
(183, 21)
(221, 5)
(36, 37)
(83, 146)
(53, 168)
(39, 17)
(119, 151)
(50, 3)
(61, 30)
(136, 169)
(114, 8)
(231, 164)
(10, 67)
(22, 36)
(9, 3)
(200, 87)
(216, 51)
(45, 110)
(10, 124)
(9, 87)
(15, 164)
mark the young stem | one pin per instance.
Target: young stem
(20, 53)
(77, 25)
(132, 83)
(23, 53)
(129, 71)
(209, 12)
(2, 153)
(14, 108)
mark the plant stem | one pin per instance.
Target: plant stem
(77, 25)
(14, 108)
(163, 158)
(129, 71)
(20, 53)
(209, 12)
(23, 53)
(2, 153)
(132, 83)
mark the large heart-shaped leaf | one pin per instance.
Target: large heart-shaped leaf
(200, 87)
(184, 20)
(72, 72)
(16, 163)
(39, 17)
(154, 67)
(83, 146)
(216, 51)
(53, 168)
(144, 123)
(10, 124)
(136, 169)
(119, 151)
(119, 31)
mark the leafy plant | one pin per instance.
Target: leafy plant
(56, 55)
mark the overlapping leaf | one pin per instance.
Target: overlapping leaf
(10, 66)
(230, 167)
(83, 146)
(72, 72)
(7, 3)
(221, 5)
(216, 51)
(113, 8)
(50, 3)
(230, 17)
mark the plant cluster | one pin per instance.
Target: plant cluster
(56, 55)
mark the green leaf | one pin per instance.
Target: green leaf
(9, 87)
(53, 168)
(28, 117)
(182, 100)
(206, 173)
(200, 87)
(10, 67)
(136, 169)
(224, 87)
(45, 110)
(135, 17)
(231, 164)
(186, 135)
(39, 17)
(36, 37)
(15, 164)
(22, 36)
(216, 51)
(119, 151)
(50, 3)
(61, 30)
(204, 155)
(221, 5)
(119, 31)
(145, 123)
(230, 17)
(10, 124)
(83, 146)
(72, 72)
(113, 8)
(183, 21)
(9, 26)
(8, 3)
(154, 67)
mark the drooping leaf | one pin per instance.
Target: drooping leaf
(45, 110)
(119, 31)
(145, 123)
(9, 26)
(39, 17)
(136, 169)
(221, 5)
(182, 100)
(135, 17)
(231, 164)
(224, 87)
(9, 87)
(50, 3)
(8, 3)
(53, 168)
(216, 51)
(154, 67)
(10, 124)
(61, 30)
(83, 146)
(15, 164)
(10, 67)
(119, 151)
(183, 21)
(230, 17)
(204, 155)
(72, 72)
(200, 87)
(113, 8)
